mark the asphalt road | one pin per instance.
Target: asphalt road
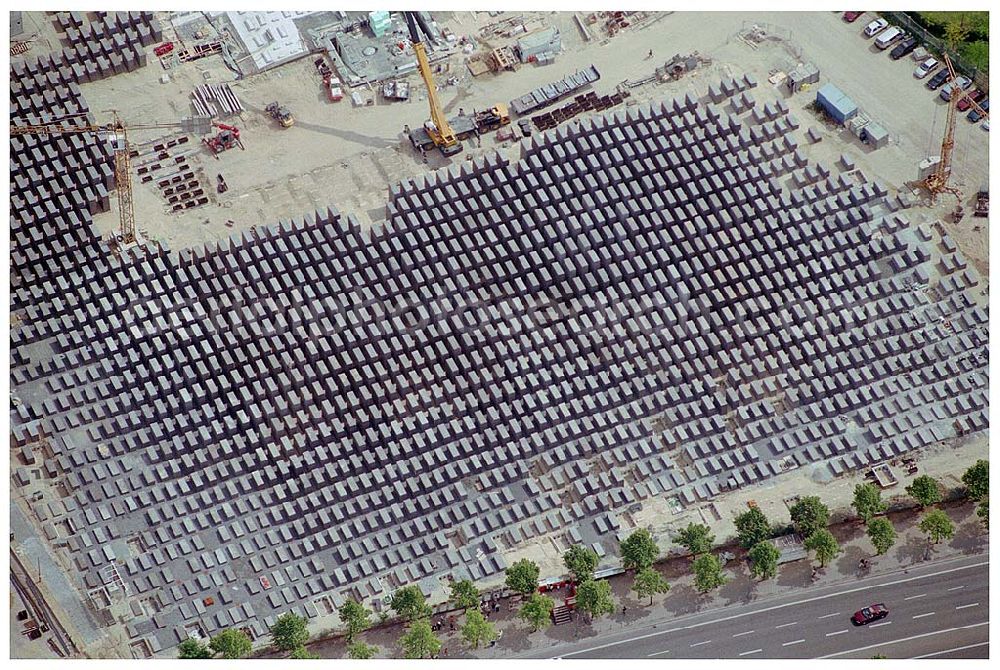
(939, 610)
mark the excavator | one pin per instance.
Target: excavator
(438, 131)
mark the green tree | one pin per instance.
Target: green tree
(955, 33)
(868, 501)
(477, 630)
(639, 550)
(361, 651)
(824, 544)
(356, 618)
(581, 561)
(649, 582)
(983, 512)
(523, 576)
(289, 632)
(977, 480)
(752, 527)
(408, 602)
(882, 534)
(594, 598)
(764, 560)
(809, 515)
(464, 594)
(419, 640)
(925, 490)
(708, 575)
(696, 538)
(937, 525)
(191, 649)
(303, 654)
(231, 643)
(537, 610)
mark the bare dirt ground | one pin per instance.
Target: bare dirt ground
(345, 156)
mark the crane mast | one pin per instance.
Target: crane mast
(936, 183)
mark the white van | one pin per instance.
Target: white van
(886, 38)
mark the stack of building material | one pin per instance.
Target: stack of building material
(551, 93)
(804, 73)
(215, 100)
(588, 102)
(380, 22)
(539, 45)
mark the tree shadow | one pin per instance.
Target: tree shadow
(847, 563)
(740, 588)
(795, 573)
(914, 551)
(683, 599)
(970, 538)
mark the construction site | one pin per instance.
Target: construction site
(309, 306)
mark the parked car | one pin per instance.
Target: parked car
(903, 48)
(875, 27)
(925, 68)
(869, 614)
(888, 37)
(986, 125)
(851, 17)
(966, 102)
(938, 80)
(974, 114)
(951, 87)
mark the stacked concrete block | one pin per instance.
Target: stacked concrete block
(296, 413)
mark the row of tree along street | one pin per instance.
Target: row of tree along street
(809, 517)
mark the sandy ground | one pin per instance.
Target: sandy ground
(348, 157)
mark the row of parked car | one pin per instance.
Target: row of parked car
(903, 45)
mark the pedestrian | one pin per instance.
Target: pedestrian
(444, 651)
(650, 54)
(624, 609)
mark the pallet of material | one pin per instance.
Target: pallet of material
(551, 93)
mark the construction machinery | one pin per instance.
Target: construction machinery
(936, 183)
(281, 114)
(437, 128)
(116, 134)
(227, 138)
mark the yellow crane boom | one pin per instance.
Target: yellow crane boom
(442, 133)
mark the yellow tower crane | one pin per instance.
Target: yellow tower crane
(117, 134)
(936, 183)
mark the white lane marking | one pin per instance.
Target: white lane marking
(956, 588)
(774, 607)
(786, 625)
(746, 632)
(915, 597)
(755, 651)
(789, 644)
(921, 616)
(947, 651)
(903, 639)
(876, 625)
(698, 644)
(657, 653)
(827, 616)
(839, 632)
(962, 607)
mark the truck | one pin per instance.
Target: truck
(983, 201)
(465, 125)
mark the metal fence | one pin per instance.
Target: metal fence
(901, 19)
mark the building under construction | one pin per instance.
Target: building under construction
(665, 300)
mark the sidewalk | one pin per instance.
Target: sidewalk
(911, 549)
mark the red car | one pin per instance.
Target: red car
(869, 614)
(966, 102)
(851, 17)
